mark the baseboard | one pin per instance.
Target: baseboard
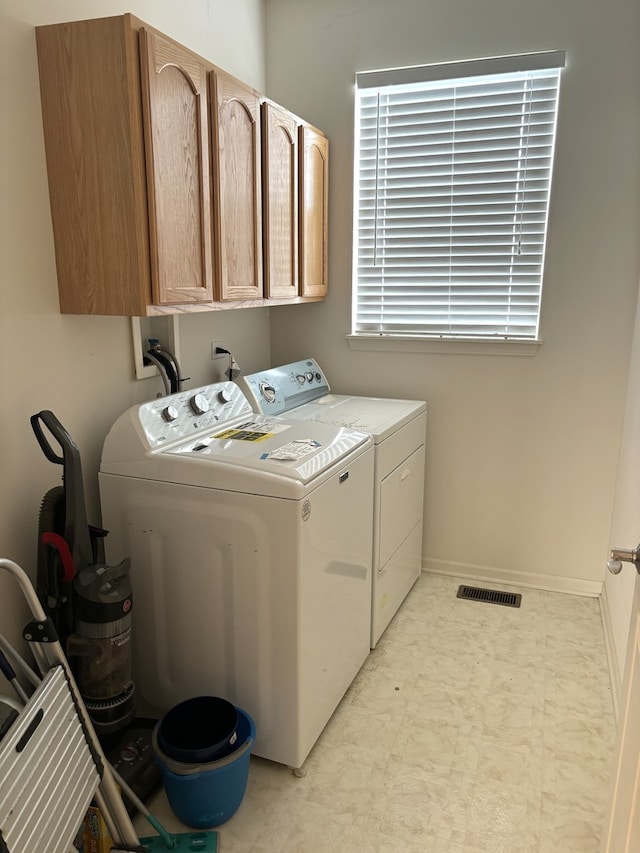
(550, 583)
(612, 659)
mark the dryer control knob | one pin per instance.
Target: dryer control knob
(170, 413)
(268, 392)
(224, 395)
(199, 404)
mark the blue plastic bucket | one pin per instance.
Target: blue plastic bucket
(199, 729)
(209, 794)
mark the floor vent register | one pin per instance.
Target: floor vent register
(491, 596)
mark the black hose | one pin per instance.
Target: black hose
(161, 360)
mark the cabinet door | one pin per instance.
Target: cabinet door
(237, 196)
(92, 121)
(178, 173)
(314, 212)
(280, 202)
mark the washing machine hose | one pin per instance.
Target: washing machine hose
(167, 365)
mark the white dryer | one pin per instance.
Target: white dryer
(250, 569)
(398, 427)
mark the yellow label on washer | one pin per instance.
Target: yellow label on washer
(251, 431)
(244, 435)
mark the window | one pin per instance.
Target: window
(453, 175)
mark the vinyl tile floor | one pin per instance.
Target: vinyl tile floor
(471, 728)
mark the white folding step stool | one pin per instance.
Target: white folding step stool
(51, 762)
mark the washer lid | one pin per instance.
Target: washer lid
(267, 447)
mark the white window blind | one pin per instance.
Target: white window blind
(453, 175)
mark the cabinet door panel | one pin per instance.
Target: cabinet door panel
(92, 120)
(280, 202)
(314, 212)
(177, 139)
(237, 179)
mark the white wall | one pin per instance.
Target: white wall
(82, 367)
(522, 452)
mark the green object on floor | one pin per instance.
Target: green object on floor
(185, 842)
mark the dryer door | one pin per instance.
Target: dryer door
(401, 501)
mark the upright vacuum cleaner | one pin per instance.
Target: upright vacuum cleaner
(89, 602)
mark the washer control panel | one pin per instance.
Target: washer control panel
(181, 415)
(280, 389)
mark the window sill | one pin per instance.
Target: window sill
(443, 346)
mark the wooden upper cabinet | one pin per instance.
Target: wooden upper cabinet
(176, 125)
(154, 161)
(314, 212)
(280, 201)
(235, 111)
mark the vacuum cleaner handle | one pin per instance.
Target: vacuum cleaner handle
(76, 530)
(58, 431)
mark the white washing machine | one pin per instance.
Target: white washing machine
(398, 427)
(250, 546)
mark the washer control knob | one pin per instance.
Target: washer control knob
(268, 392)
(309, 376)
(170, 413)
(224, 395)
(300, 377)
(199, 404)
